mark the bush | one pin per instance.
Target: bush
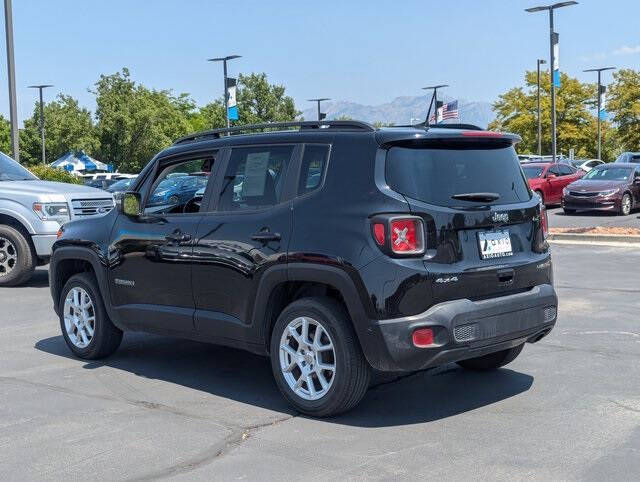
(48, 173)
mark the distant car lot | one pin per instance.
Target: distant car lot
(163, 407)
(587, 219)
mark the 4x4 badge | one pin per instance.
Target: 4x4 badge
(500, 217)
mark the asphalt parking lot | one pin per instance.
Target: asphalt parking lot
(567, 408)
(587, 219)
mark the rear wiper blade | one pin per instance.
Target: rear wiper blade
(477, 196)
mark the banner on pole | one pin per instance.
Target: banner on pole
(232, 108)
(603, 111)
(556, 59)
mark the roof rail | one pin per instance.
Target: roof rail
(333, 125)
(468, 127)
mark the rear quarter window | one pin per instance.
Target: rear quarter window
(434, 175)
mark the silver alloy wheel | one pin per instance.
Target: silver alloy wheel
(307, 358)
(626, 204)
(79, 317)
(8, 256)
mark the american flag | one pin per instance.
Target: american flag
(447, 111)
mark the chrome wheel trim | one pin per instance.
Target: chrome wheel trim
(626, 204)
(79, 317)
(8, 256)
(307, 358)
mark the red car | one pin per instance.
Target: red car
(549, 179)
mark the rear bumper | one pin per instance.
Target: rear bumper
(464, 329)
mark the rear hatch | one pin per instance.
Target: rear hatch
(483, 224)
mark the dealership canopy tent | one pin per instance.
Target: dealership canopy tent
(79, 162)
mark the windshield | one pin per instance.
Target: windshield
(610, 174)
(10, 170)
(435, 175)
(121, 185)
(532, 172)
(577, 162)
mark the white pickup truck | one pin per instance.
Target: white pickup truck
(31, 213)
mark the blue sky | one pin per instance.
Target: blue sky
(363, 51)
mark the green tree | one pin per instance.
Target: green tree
(134, 122)
(67, 127)
(623, 101)
(5, 135)
(516, 111)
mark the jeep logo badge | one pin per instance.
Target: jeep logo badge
(500, 217)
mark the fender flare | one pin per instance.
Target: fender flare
(332, 275)
(19, 214)
(85, 254)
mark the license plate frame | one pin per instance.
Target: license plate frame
(495, 244)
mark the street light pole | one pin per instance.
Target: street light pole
(539, 62)
(599, 103)
(434, 101)
(11, 71)
(226, 93)
(40, 88)
(318, 101)
(551, 8)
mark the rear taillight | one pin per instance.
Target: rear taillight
(399, 235)
(407, 236)
(544, 221)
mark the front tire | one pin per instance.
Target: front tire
(85, 325)
(491, 361)
(625, 204)
(316, 358)
(17, 259)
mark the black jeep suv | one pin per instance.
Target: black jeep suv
(331, 247)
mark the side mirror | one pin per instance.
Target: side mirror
(130, 204)
(551, 176)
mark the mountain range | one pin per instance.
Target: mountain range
(402, 110)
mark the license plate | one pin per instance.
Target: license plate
(494, 244)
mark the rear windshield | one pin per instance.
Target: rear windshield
(532, 172)
(434, 175)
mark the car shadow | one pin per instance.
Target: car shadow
(420, 397)
(39, 279)
(593, 214)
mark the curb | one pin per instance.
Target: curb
(595, 238)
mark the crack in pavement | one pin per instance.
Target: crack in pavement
(210, 455)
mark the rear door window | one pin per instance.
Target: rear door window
(314, 161)
(566, 170)
(434, 175)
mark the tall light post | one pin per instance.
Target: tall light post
(224, 61)
(601, 91)
(320, 117)
(539, 62)
(552, 43)
(11, 71)
(434, 101)
(41, 88)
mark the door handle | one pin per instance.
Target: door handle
(265, 236)
(178, 237)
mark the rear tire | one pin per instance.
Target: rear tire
(297, 364)
(84, 322)
(491, 361)
(17, 259)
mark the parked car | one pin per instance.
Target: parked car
(628, 157)
(100, 183)
(547, 179)
(106, 176)
(118, 188)
(610, 187)
(585, 164)
(176, 191)
(31, 213)
(415, 248)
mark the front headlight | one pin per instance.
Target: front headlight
(609, 192)
(52, 211)
(565, 191)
